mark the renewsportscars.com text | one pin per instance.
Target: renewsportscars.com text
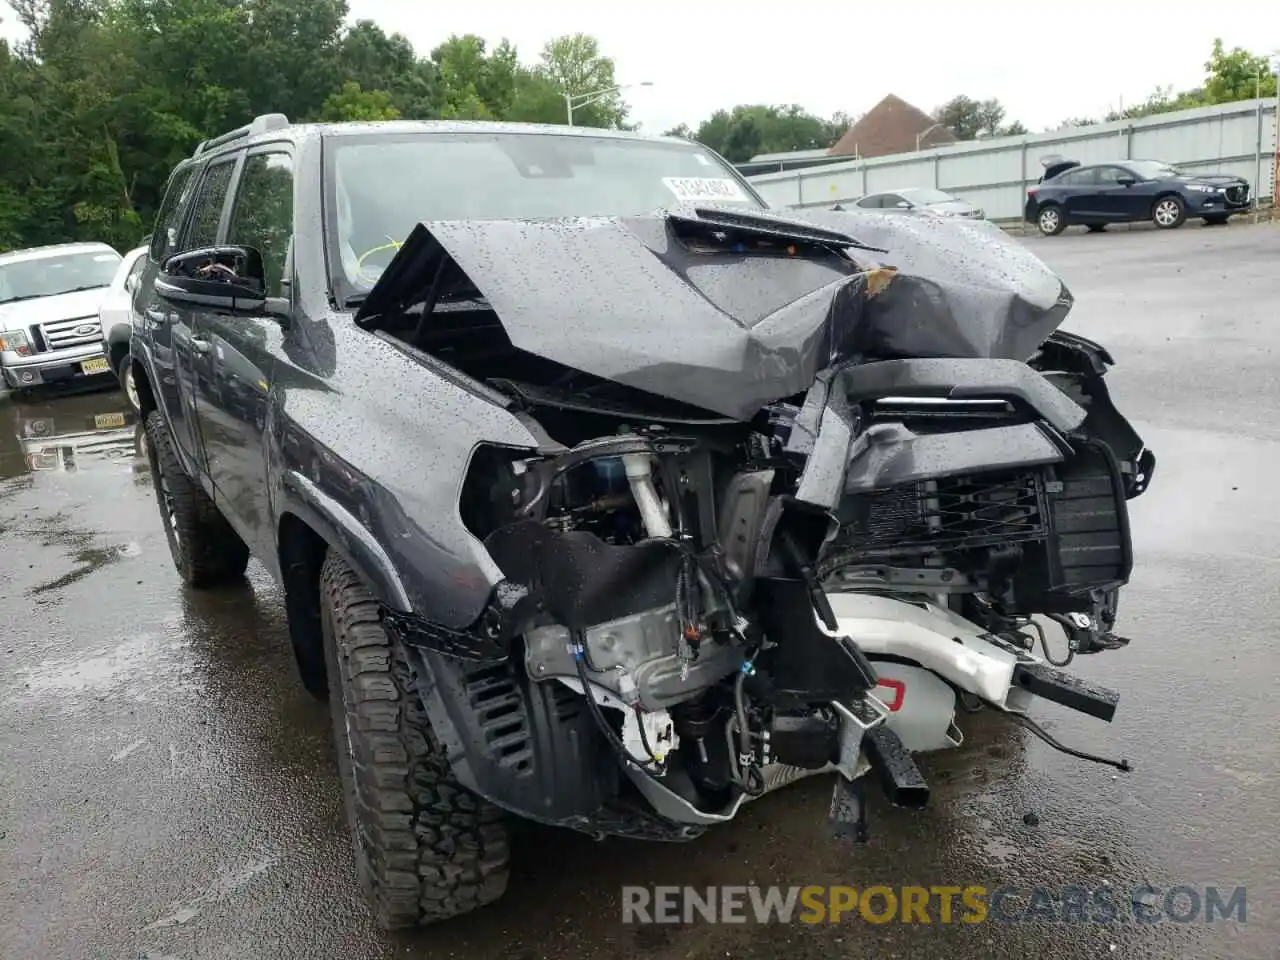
(934, 904)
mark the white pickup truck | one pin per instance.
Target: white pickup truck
(49, 326)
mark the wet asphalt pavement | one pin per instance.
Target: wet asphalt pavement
(169, 791)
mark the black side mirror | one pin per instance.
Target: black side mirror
(218, 278)
(1126, 181)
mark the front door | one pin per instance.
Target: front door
(236, 358)
(1116, 199)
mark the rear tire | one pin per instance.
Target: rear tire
(206, 551)
(426, 849)
(1050, 220)
(1168, 213)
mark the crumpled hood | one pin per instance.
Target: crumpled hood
(65, 306)
(730, 330)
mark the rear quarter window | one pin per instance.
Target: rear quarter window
(1076, 177)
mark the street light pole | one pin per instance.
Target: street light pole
(1275, 160)
(572, 101)
(925, 132)
(1257, 154)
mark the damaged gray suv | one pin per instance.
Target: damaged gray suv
(603, 496)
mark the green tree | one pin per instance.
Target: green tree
(970, 119)
(837, 126)
(750, 129)
(377, 61)
(1237, 74)
(352, 103)
(473, 85)
(1230, 76)
(573, 65)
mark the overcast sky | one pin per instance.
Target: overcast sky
(1044, 62)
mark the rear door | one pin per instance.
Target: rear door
(1078, 193)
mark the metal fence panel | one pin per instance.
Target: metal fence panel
(1235, 138)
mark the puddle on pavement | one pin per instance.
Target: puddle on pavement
(87, 552)
(68, 433)
(130, 666)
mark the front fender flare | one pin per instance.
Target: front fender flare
(345, 534)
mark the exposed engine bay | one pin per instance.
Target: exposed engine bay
(663, 643)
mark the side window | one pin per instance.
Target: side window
(1110, 176)
(1077, 178)
(208, 206)
(872, 202)
(164, 238)
(263, 213)
(891, 201)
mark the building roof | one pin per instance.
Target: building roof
(891, 127)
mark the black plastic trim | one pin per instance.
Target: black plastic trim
(962, 378)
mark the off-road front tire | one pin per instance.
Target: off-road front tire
(426, 849)
(206, 550)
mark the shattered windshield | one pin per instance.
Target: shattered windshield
(383, 186)
(50, 276)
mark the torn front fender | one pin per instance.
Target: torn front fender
(1076, 366)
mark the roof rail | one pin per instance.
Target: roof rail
(261, 124)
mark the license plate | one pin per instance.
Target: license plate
(97, 365)
(108, 421)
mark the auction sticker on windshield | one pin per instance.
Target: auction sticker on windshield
(704, 188)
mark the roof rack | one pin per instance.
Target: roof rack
(261, 124)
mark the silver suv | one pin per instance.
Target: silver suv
(49, 326)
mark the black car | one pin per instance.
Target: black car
(565, 452)
(1125, 191)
